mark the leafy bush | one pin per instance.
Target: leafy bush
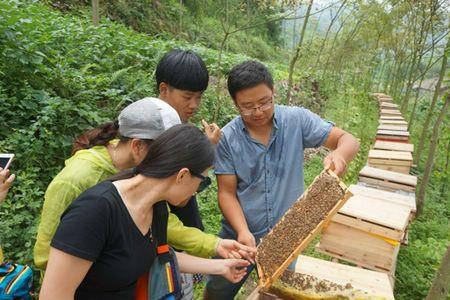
(197, 22)
(58, 76)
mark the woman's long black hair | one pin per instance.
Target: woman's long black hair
(182, 146)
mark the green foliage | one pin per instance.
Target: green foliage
(58, 76)
(429, 236)
(197, 22)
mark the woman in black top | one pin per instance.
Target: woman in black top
(104, 242)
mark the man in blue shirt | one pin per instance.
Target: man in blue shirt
(259, 164)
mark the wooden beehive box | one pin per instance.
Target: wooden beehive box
(376, 94)
(388, 105)
(298, 227)
(368, 232)
(393, 136)
(387, 180)
(397, 161)
(408, 200)
(391, 118)
(394, 127)
(374, 285)
(385, 99)
(393, 122)
(393, 146)
(390, 112)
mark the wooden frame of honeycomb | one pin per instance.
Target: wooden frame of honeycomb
(298, 227)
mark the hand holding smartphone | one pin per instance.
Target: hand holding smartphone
(5, 178)
(5, 160)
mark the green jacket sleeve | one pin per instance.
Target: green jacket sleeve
(190, 239)
(59, 195)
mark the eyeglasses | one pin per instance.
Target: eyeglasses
(206, 181)
(263, 107)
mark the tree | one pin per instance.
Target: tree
(333, 19)
(430, 158)
(441, 284)
(95, 14)
(232, 23)
(426, 124)
(297, 53)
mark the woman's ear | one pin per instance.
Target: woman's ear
(182, 174)
(139, 150)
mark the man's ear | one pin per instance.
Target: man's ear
(182, 174)
(163, 89)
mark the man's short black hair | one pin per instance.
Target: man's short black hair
(183, 70)
(247, 75)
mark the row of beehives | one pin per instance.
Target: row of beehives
(369, 229)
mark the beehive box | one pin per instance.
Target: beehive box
(387, 180)
(358, 247)
(393, 136)
(368, 232)
(393, 146)
(392, 118)
(396, 161)
(388, 105)
(392, 122)
(313, 277)
(377, 95)
(390, 112)
(406, 200)
(394, 127)
(385, 99)
(300, 224)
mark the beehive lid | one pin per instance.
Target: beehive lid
(390, 112)
(385, 98)
(378, 211)
(407, 201)
(393, 133)
(388, 176)
(398, 118)
(392, 122)
(393, 127)
(389, 104)
(384, 145)
(374, 283)
(390, 155)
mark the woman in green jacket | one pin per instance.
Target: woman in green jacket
(97, 155)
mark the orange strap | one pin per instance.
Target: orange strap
(142, 288)
(162, 249)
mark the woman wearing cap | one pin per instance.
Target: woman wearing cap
(97, 155)
(105, 240)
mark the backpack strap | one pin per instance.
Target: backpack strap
(166, 256)
(161, 216)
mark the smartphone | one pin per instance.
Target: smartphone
(5, 160)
